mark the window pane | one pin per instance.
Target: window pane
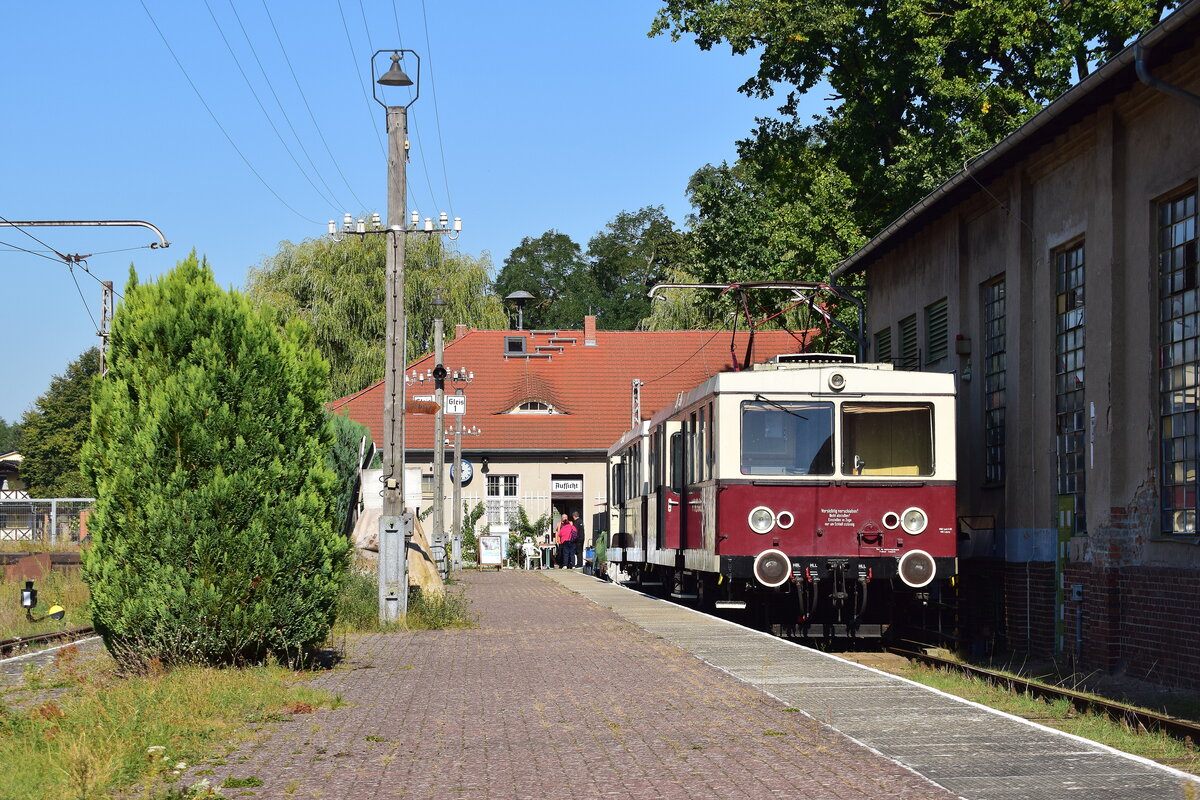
(887, 439)
(788, 438)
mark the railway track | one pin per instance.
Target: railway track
(1136, 718)
(18, 644)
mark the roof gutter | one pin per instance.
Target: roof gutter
(857, 260)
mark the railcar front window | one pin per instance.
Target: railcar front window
(787, 438)
(887, 439)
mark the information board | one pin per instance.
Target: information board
(491, 551)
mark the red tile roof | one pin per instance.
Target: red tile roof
(588, 384)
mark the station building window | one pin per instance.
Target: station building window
(937, 335)
(883, 345)
(995, 379)
(501, 503)
(910, 348)
(1178, 385)
(1070, 415)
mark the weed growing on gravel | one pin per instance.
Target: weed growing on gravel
(358, 609)
(108, 733)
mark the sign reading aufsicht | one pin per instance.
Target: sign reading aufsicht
(566, 485)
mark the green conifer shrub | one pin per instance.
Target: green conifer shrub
(344, 458)
(214, 531)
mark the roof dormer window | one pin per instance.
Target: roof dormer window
(534, 407)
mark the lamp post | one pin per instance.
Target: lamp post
(460, 376)
(396, 522)
(438, 544)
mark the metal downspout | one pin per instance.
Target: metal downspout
(1140, 53)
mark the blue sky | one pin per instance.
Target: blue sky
(532, 115)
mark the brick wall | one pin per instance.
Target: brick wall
(1029, 608)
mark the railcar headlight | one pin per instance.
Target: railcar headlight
(913, 520)
(761, 519)
(891, 520)
(917, 568)
(772, 568)
(785, 519)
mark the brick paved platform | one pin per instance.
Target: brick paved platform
(520, 708)
(971, 750)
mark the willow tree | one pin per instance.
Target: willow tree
(214, 538)
(337, 288)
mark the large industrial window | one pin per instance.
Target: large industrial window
(501, 498)
(994, 380)
(787, 438)
(937, 334)
(1070, 413)
(883, 345)
(1179, 330)
(887, 439)
(910, 348)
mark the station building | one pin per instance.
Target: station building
(1057, 277)
(543, 406)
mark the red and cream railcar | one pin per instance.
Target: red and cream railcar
(821, 490)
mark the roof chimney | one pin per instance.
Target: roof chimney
(589, 331)
(460, 330)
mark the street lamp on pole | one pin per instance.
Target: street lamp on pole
(396, 522)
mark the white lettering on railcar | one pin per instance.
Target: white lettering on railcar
(839, 517)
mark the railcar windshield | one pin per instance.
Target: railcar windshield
(787, 438)
(887, 439)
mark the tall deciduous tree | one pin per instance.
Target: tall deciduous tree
(917, 86)
(635, 251)
(54, 429)
(338, 289)
(552, 268)
(214, 537)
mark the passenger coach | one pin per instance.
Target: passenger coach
(814, 489)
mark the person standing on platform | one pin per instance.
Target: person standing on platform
(579, 548)
(566, 542)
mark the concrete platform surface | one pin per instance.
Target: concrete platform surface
(970, 750)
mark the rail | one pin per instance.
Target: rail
(1134, 717)
(18, 643)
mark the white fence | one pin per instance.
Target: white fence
(57, 521)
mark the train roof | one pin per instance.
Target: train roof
(809, 377)
(874, 379)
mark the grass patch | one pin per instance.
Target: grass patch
(66, 589)
(1060, 714)
(358, 609)
(108, 734)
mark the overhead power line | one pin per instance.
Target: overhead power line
(282, 109)
(332, 203)
(311, 115)
(212, 114)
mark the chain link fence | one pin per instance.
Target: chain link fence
(58, 521)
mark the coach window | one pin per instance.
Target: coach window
(710, 454)
(887, 439)
(655, 464)
(788, 438)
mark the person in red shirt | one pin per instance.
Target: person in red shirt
(566, 542)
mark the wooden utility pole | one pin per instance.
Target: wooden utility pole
(395, 524)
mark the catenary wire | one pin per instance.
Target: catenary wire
(263, 108)
(216, 121)
(311, 115)
(282, 108)
(86, 307)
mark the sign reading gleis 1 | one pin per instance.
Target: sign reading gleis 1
(566, 485)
